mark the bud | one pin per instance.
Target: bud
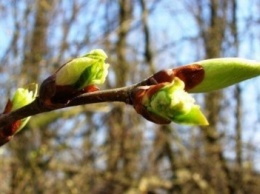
(223, 72)
(21, 98)
(83, 71)
(74, 78)
(209, 75)
(191, 75)
(167, 102)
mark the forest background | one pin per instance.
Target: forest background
(108, 148)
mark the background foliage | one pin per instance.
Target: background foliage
(108, 148)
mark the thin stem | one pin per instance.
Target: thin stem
(112, 95)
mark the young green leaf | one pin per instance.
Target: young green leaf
(223, 72)
(172, 102)
(168, 101)
(22, 97)
(83, 71)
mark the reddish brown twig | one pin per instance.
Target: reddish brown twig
(191, 75)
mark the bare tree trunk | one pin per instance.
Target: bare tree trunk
(148, 54)
(30, 174)
(37, 48)
(213, 35)
(119, 163)
(238, 174)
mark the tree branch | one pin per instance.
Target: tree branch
(130, 95)
(202, 76)
(36, 107)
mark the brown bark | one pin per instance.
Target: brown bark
(37, 49)
(213, 35)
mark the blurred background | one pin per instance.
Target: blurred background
(107, 148)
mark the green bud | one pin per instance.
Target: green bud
(22, 97)
(223, 72)
(83, 71)
(173, 103)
